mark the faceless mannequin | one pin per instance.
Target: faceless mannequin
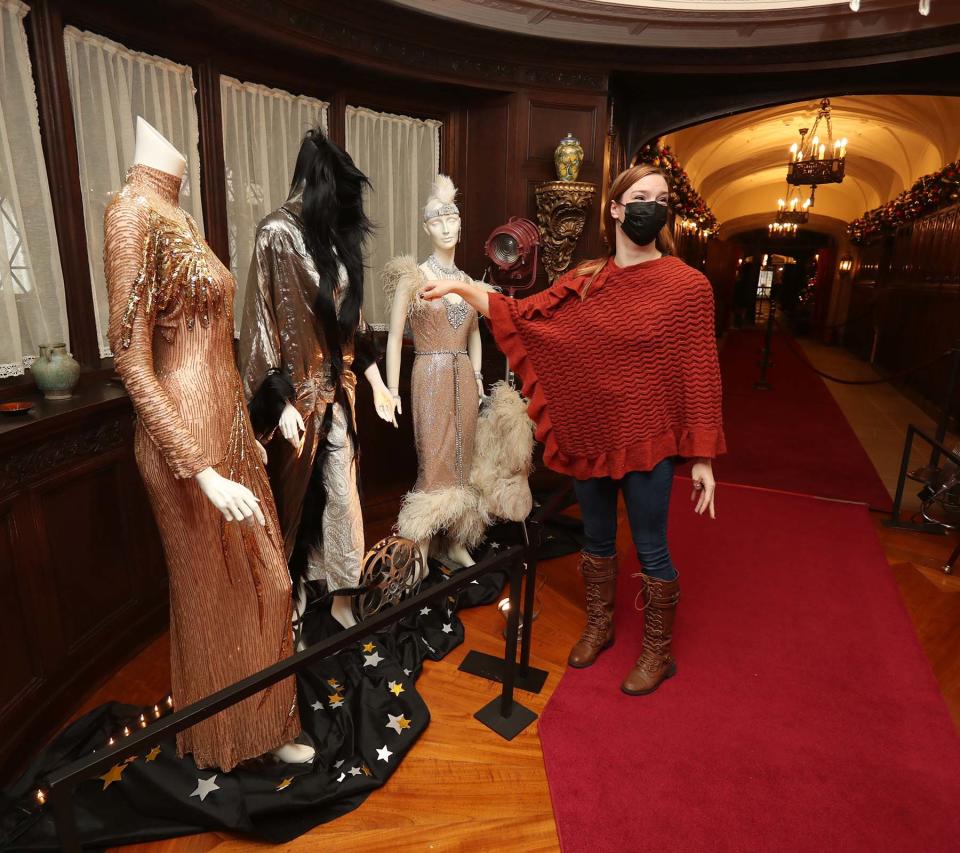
(152, 149)
(235, 501)
(442, 225)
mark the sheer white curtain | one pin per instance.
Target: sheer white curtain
(32, 307)
(262, 131)
(401, 156)
(110, 86)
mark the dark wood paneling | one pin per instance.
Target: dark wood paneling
(80, 563)
(548, 122)
(213, 192)
(69, 510)
(486, 184)
(906, 299)
(21, 669)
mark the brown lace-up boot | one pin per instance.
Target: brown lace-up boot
(655, 664)
(600, 580)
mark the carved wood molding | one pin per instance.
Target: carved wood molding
(23, 466)
(308, 24)
(561, 213)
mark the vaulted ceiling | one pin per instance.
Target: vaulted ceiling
(693, 23)
(738, 163)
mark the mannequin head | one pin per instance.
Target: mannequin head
(441, 217)
(444, 231)
(151, 148)
(334, 227)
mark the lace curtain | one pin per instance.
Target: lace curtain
(401, 156)
(110, 86)
(32, 306)
(262, 131)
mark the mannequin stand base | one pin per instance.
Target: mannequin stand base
(507, 727)
(491, 668)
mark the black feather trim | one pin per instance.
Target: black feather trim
(268, 403)
(365, 351)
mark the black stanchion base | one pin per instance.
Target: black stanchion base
(507, 727)
(491, 668)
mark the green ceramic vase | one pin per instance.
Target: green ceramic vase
(55, 371)
(568, 158)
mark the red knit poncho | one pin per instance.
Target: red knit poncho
(624, 378)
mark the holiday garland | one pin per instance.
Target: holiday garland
(928, 193)
(685, 201)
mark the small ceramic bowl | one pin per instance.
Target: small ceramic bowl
(16, 407)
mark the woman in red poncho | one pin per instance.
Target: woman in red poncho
(619, 361)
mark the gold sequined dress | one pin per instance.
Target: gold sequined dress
(444, 399)
(171, 331)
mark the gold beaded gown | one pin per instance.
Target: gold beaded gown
(171, 331)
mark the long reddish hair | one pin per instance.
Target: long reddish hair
(626, 179)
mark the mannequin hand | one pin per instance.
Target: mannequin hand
(440, 288)
(291, 425)
(480, 392)
(234, 500)
(703, 482)
(262, 451)
(384, 403)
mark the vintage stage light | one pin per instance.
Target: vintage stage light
(513, 250)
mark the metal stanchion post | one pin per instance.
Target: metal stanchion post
(527, 678)
(504, 715)
(761, 384)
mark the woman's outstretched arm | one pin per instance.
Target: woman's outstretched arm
(474, 296)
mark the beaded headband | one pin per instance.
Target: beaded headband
(443, 210)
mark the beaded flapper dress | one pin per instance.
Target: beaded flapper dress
(444, 401)
(171, 331)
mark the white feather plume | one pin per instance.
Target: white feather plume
(443, 190)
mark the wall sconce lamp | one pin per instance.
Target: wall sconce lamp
(846, 264)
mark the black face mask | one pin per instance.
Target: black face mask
(642, 221)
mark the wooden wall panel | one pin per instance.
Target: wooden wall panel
(906, 299)
(21, 668)
(69, 509)
(80, 564)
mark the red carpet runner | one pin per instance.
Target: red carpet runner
(804, 715)
(793, 437)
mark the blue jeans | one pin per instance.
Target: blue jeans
(647, 496)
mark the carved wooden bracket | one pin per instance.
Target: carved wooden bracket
(561, 213)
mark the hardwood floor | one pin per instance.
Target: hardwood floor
(463, 787)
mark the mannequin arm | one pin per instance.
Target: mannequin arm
(383, 400)
(475, 349)
(398, 319)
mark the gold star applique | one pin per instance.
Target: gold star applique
(395, 687)
(152, 755)
(286, 783)
(366, 771)
(130, 760)
(336, 700)
(397, 723)
(336, 685)
(369, 647)
(112, 775)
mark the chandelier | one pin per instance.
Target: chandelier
(923, 7)
(809, 160)
(782, 229)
